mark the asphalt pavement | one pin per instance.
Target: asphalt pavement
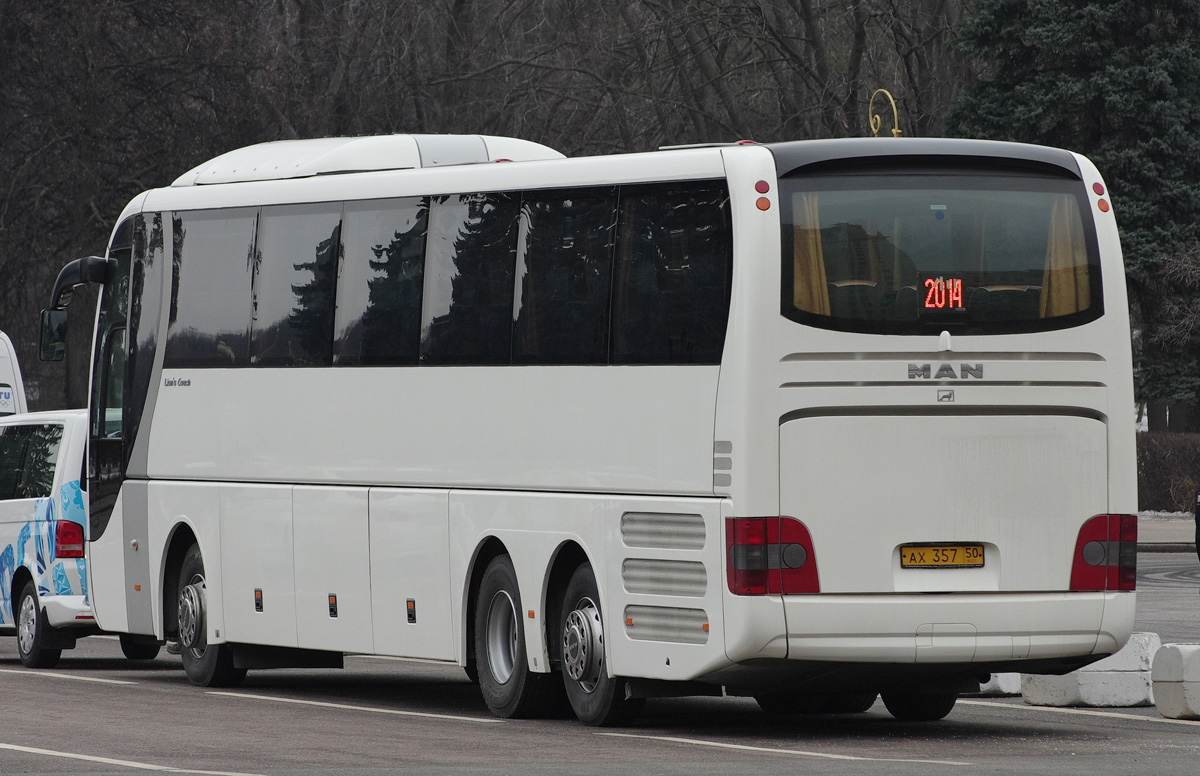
(1166, 532)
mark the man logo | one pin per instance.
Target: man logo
(945, 371)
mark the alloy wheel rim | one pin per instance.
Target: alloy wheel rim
(583, 645)
(501, 637)
(27, 625)
(192, 635)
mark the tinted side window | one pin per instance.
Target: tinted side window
(41, 455)
(674, 258)
(380, 282)
(564, 272)
(12, 453)
(211, 294)
(295, 260)
(28, 455)
(468, 290)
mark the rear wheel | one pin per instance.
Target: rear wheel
(917, 707)
(208, 665)
(596, 698)
(509, 688)
(134, 649)
(32, 631)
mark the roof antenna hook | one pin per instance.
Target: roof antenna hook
(876, 120)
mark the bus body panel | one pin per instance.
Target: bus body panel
(331, 537)
(107, 586)
(257, 541)
(866, 486)
(634, 429)
(410, 559)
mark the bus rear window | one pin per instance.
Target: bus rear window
(905, 253)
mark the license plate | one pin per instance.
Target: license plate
(941, 556)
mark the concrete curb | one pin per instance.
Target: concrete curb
(1168, 547)
(1120, 680)
(1176, 677)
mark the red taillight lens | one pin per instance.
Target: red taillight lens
(1106, 554)
(769, 556)
(68, 540)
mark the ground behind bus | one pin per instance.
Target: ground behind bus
(99, 714)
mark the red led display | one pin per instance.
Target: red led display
(943, 294)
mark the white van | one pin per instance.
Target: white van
(12, 389)
(43, 524)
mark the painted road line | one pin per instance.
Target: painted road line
(1084, 712)
(122, 763)
(58, 675)
(772, 750)
(349, 707)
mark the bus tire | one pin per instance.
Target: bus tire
(206, 665)
(509, 688)
(134, 649)
(32, 630)
(596, 698)
(912, 706)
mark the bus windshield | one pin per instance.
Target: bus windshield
(911, 253)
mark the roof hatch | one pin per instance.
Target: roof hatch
(283, 159)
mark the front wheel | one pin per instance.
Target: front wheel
(596, 698)
(208, 665)
(32, 631)
(917, 707)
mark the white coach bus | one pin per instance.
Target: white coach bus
(806, 421)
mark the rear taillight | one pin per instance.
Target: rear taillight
(68, 539)
(1106, 554)
(769, 556)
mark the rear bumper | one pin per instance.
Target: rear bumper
(68, 611)
(851, 643)
(974, 628)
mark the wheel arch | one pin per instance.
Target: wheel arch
(182, 537)
(569, 556)
(488, 548)
(20, 576)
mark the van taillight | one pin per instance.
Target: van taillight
(769, 556)
(68, 539)
(1106, 554)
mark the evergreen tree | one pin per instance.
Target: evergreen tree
(1119, 81)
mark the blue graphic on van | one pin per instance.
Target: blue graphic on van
(7, 569)
(34, 550)
(71, 504)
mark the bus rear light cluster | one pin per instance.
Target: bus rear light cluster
(769, 556)
(68, 539)
(1106, 554)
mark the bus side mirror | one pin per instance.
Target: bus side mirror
(52, 342)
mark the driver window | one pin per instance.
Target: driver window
(107, 422)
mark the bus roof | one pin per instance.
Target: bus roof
(281, 159)
(792, 156)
